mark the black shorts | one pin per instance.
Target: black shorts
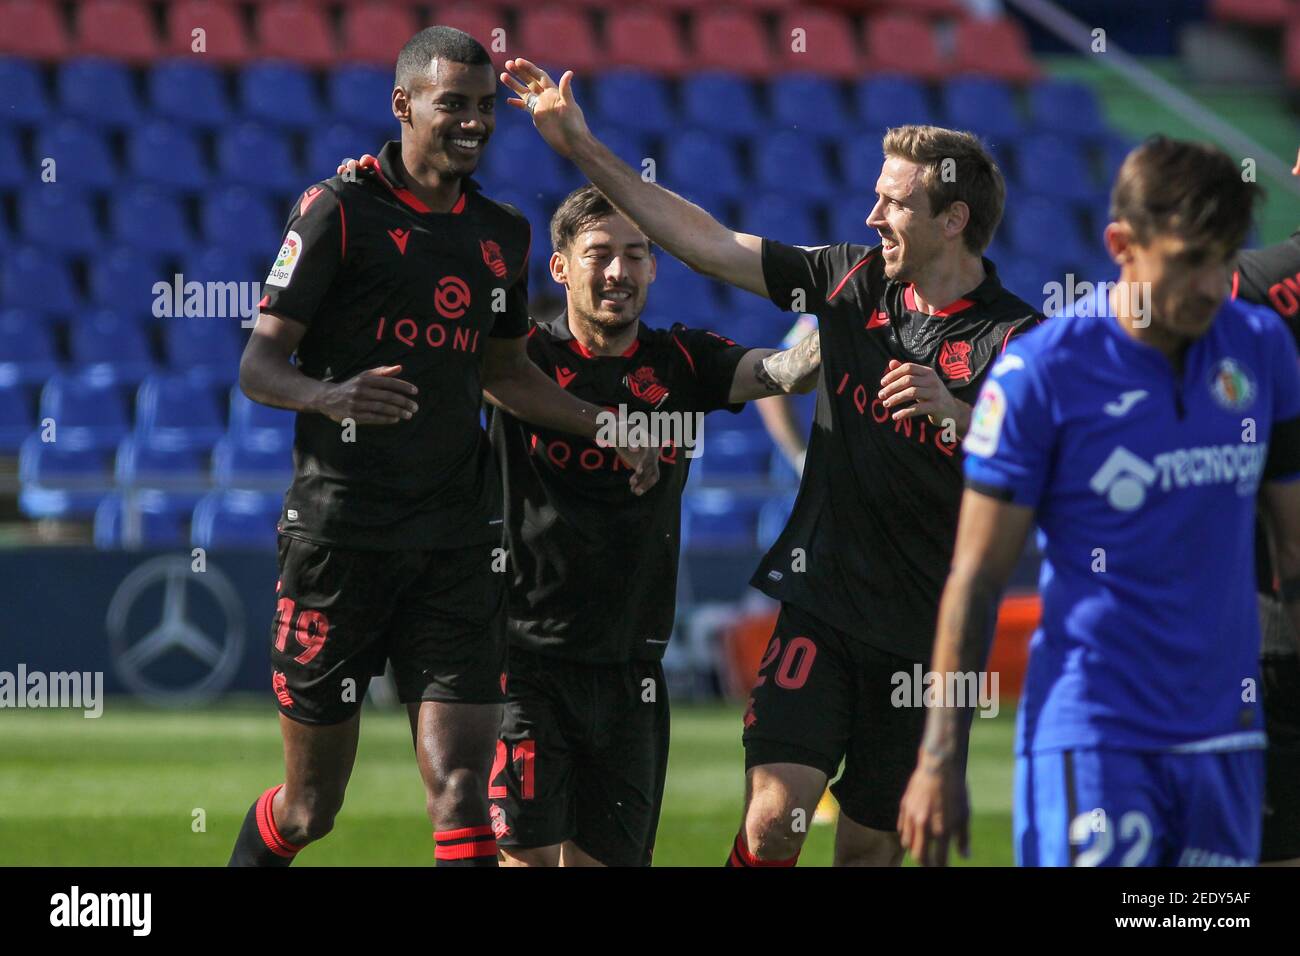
(582, 756)
(439, 616)
(1280, 694)
(823, 696)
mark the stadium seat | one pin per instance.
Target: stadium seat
(279, 94)
(151, 220)
(731, 40)
(984, 105)
(1066, 108)
(28, 353)
(1257, 13)
(32, 28)
(34, 279)
(686, 155)
(681, 295)
(87, 413)
(121, 29)
(628, 145)
(337, 141)
(57, 218)
(191, 93)
(109, 348)
(174, 411)
(787, 160)
(98, 91)
(645, 40)
(476, 19)
(25, 99)
(559, 34)
(275, 170)
(717, 519)
(224, 41)
(168, 155)
(848, 219)
(16, 419)
(81, 155)
(774, 515)
(257, 425)
(294, 31)
(208, 349)
(144, 464)
(148, 518)
(236, 519)
(859, 158)
(1052, 166)
(1291, 52)
(732, 456)
(886, 101)
(810, 104)
(224, 264)
(902, 44)
(375, 33)
(993, 48)
(514, 149)
(59, 480)
(239, 219)
(634, 100)
(361, 96)
(722, 103)
(1036, 225)
(123, 278)
(826, 46)
(780, 215)
(237, 464)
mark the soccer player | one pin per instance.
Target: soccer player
(404, 298)
(1137, 442)
(908, 330)
(1271, 276)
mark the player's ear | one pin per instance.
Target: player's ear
(955, 218)
(1118, 237)
(559, 269)
(654, 267)
(401, 105)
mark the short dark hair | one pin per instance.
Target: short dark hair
(581, 209)
(436, 43)
(1193, 190)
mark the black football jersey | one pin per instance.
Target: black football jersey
(593, 566)
(380, 279)
(868, 545)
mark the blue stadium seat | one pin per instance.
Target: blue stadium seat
(174, 411)
(513, 149)
(236, 464)
(16, 419)
(168, 154)
(28, 353)
(703, 164)
(714, 518)
(773, 516)
(1039, 228)
(1066, 108)
(123, 279)
(281, 95)
(98, 91)
(239, 219)
(1114, 149)
(780, 215)
(58, 218)
(859, 159)
(363, 97)
(337, 141)
(108, 347)
(224, 264)
(848, 219)
(1028, 278)
(260, 158)
(732, 455)
(1052, 166)
(25, 99)
(81, 155)
(208, 349)
(721, 103)
(150, 220)
(191, 93)
(629, 145)
(680, 295)
(236, 519)
(885, 101)
(87, 413)
(810, 104)
(258, 425)
(635, 100)
(528, 202)
(787, 161)
(162, 520)
(757, 321)
(37, 280)
(11, 155)
(984, 105)
(149, 464)
(60, 480)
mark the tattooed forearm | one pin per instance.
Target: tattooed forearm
(793, 369)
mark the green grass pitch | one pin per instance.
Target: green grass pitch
(128, 788)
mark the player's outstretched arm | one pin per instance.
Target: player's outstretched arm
(681, 227)
(1282, 505)
(266, 375)
(990, 537)
(514, 384)
(764, 372)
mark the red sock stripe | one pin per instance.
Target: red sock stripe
(442, 836)
(741, 856)
(266, 825)
(465, 851)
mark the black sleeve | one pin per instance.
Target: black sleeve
(1259, 270)
(711, 361)
(803, 278)
(513, 321)
(311, 251)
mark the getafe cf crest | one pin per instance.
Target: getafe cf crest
(1232, 385)
(954, 360)
(643, 384)
(493, 257)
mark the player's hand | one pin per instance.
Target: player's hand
(934, 810)
(644, 462)
(374, 397)
(913, 390)
(557, 115)
(349, 168)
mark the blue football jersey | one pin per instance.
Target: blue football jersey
(1143, 482)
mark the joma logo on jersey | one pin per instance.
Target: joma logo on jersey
(643, 385)
(493, 258)
(954, 360)
(1124, 478)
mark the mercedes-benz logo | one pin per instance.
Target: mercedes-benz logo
(133, 653)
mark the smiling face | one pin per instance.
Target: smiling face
(911, 235)
(607, 269)
(450, 114)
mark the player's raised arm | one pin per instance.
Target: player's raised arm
(681, 227)
(764, 372)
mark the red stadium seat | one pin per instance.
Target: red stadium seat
(1293, 52)
(559, 37)
(994, 48)
(933, 9)
(1263, 13)
(732, 40)
(645, 40)
(903, 44)
(122, 29)
(376, 32)
(224, 38)
(479, 21)
(295, 31)
(828, 47)
(32, 29)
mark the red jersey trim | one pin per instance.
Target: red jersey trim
(865, 259)
(952, 308)
(578, 348)
(690, 361)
